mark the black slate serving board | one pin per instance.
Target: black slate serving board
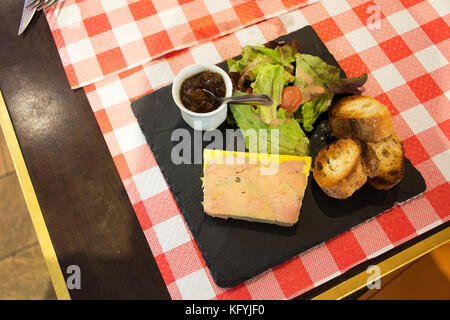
(235, 250)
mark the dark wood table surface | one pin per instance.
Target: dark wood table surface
(88, 214)
(87, 211)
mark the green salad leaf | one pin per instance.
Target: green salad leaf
(248, 55)
(319, 72)
(270, 81)
(312, 77)
(282, 55)
(291, 138)
(312, 70)
(319, 81)
(254, 55)
(270, 71)
(312, 109)
(347, 85)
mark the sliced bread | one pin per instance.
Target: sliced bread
(361, 117)
(339, 169)
(390, 155)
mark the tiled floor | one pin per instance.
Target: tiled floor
(24, 275)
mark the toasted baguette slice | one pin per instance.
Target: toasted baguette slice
(370, 160)
(360, 117)
(390, 154)
(339, 169)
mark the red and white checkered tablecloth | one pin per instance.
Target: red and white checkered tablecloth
(406, 54)
(97, 38)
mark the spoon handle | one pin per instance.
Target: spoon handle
(257, 99)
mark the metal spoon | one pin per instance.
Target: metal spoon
(259, 99)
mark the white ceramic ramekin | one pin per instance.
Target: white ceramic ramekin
(201, 121)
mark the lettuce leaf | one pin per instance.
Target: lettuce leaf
(347, 85)
(270, 70)
(291, 138)
(282, 55)
(312, 109)
(288, 78)
(312, 70)
(269, 80)
(248, 55)
(313, 73)
(319, 72)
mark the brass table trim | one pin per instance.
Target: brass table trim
(387, 266)
(45, 242)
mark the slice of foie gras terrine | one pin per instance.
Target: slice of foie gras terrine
(254, 187)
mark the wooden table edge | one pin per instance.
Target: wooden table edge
(33, 206)
(337, 292)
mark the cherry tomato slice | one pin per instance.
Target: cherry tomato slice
(291, 98)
